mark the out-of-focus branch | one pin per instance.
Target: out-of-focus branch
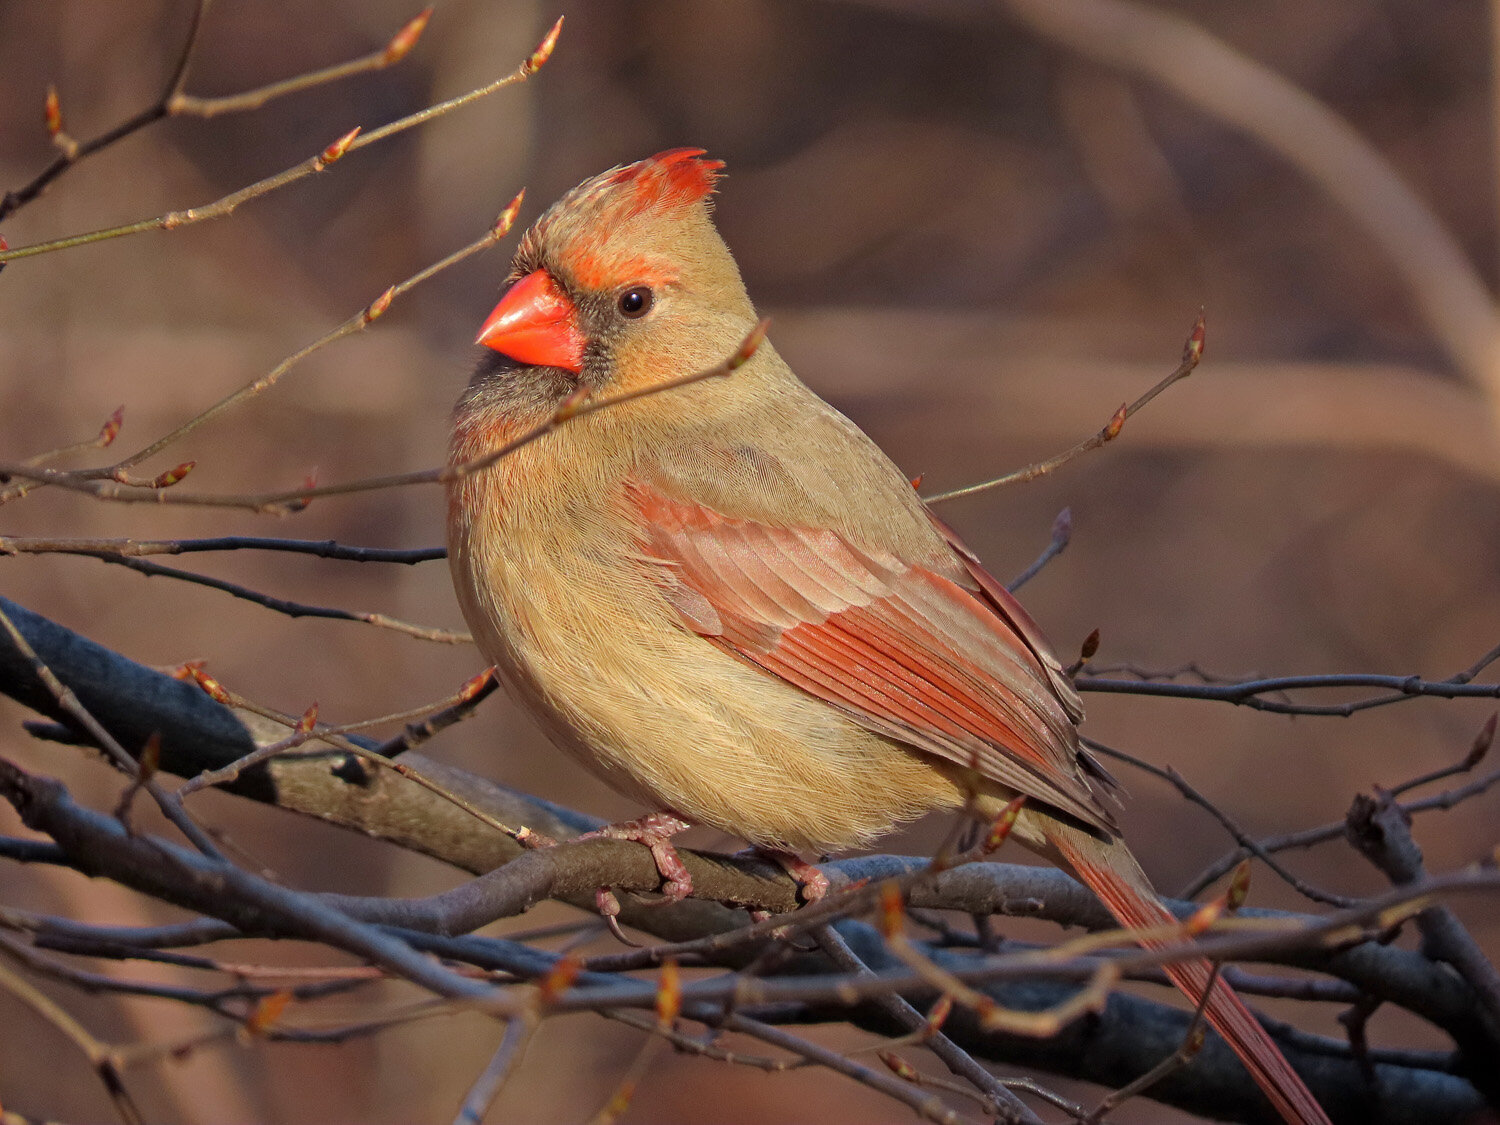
(100, 1057)
(1007, 1106)
(174, 102)
(111, 481)
(1233, 88)
(335, 151)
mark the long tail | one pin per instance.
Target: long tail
(1112, 873)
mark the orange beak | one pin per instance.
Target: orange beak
(536, 323)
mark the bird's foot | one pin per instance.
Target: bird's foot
(811, 883)
(655, 831)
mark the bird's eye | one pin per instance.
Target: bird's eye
(635, 302)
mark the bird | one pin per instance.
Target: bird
(729, 603)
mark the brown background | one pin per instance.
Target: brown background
(971, 240)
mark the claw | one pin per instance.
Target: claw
(812, 883)
(655, 831)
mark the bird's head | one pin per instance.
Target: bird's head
(623, 282)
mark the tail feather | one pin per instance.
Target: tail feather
(1112, 873)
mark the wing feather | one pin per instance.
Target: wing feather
(903, 650)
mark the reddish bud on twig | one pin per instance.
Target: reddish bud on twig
(404, 40)
(265, 1014)
(300, 504)
(1482, 742)
(937, 1015)
(187, 670)
(543, 50)
(308, 720)
(210, 686)
(476, 685)
(1239, 887)
(173, 475)
(52, 113)
(916, 481)
(1192, 351)
(571, 404)
(377, 307)
(338, 148)
(1117, 423)
(669, 994)
(111, 428)
(559, 979)
(899, 1066)
(507, 217)
(750, 345)
(892, 910)
(1002, 826)
(1205, 916)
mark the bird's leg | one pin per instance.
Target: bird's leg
(655, 831)
(811, 882)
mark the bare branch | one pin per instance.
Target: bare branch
(1216, 78)
(133, 548)
(349, 142)
(283, 605)
(1062, 532)
(1192, 352)
(284, 502)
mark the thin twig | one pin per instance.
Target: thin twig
(1241, 837)
(108, 477)
(1247, 693)
(72, 154)
(1006, 1105)
(395, 49)
(133, 548)
(926, 1106)
(99, 1056)
(313, 165)
(283, 605)
(462, 701)
(1334, 830)
(295, 499)
(363, 753)
(1192, 352)
(1192, 1043)
(486, 1087)
(1062, 532)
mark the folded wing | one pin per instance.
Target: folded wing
(905, 651)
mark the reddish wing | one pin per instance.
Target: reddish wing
(903, 650)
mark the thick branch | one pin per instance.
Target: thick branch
(197, 733)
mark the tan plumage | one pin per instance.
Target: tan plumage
(727, 601)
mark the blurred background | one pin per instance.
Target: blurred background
(972, 238)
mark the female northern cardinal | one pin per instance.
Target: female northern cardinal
(732, 605)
